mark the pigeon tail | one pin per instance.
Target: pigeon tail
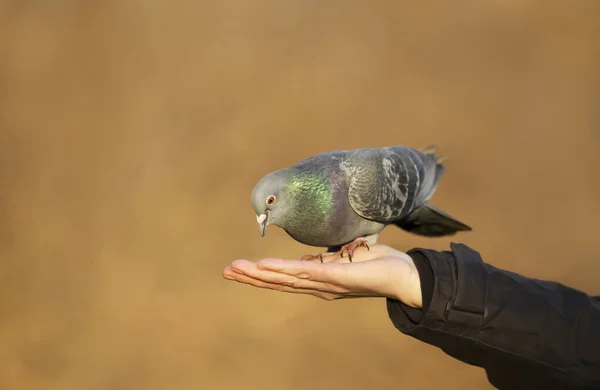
(430, 221)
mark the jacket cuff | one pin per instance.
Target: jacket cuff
(458, 292)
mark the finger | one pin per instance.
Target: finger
(245, 279)
(332, 277)
(329, 277)
(324, 272)
(301, 280)
(229, 272)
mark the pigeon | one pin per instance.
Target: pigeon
(343, 199)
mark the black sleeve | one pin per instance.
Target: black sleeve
(526, 333)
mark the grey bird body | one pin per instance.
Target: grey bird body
(331, 199)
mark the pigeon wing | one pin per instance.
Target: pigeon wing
(386, 184)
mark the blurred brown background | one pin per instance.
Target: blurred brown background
(131, 135)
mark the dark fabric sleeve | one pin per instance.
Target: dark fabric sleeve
(526, 333)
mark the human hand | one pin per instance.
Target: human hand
(379, 272)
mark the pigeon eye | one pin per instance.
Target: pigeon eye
(271, 200)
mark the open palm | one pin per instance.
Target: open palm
(379, 272)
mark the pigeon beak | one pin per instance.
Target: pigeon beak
(263, 223)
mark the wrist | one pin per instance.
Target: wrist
(407, 283)
(414, 297)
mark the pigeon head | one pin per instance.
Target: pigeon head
(269, 200)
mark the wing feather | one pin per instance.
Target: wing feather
(386, 184)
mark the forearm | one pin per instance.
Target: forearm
(483, 315)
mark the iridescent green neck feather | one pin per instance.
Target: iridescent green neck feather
(311, 193)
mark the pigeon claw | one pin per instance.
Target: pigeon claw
(354, 245)
(312, 257)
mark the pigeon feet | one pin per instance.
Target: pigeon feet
(348, 248)
(312, 257)
(354, 245)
